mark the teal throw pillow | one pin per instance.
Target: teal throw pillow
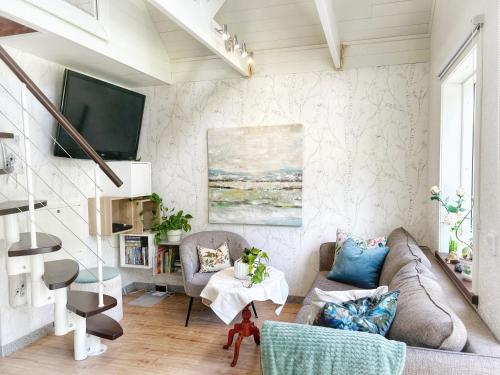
(368, 314)
(357, 266)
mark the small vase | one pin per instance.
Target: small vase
(453, 244)
(174, 235)
(466, 269)
(240, 270)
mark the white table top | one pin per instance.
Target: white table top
(227, 296)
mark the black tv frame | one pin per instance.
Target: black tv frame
(60, 152)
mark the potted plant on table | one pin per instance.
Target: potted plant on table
(251, 266)
(167, 223)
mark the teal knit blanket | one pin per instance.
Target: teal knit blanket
(298, 349)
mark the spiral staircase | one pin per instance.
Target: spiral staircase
(79, 312)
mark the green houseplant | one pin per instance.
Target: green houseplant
(167, 223)
(454, 218)
(253, 261)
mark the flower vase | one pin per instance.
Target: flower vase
(453, 244)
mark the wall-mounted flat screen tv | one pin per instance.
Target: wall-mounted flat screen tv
(109, 117)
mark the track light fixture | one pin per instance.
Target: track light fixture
(233, 45)
(236, 44)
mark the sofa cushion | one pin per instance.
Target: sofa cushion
(423, 318)
(321, 282)
(320, 297)
(402, 250)
(351, 259)
(368, 314)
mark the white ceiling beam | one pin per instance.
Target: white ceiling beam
(196, 20)
(329, 24)
(212, 6)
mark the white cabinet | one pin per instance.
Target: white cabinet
(136, 177)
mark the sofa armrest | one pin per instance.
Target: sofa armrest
(326, 256)
(433, 361)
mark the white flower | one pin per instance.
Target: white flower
(460, 192)
(450, 219)
(435, 190)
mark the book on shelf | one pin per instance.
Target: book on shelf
(167, 259)
(136, 251)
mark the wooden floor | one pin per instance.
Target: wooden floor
(155, 341)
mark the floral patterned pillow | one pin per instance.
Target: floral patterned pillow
(213, 260)
(372, 243)
(369, 314)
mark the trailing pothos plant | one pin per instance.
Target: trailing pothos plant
(166, 219)
(257, 270)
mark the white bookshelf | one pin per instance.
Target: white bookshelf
(137, 250)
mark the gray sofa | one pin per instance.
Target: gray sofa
(444, 333)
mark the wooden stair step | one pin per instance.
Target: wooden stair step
(60, 273)
(15, 207)
(85, 304)
(4, 135)
(103, 326)
(45, 243)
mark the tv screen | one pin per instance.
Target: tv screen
(109, 117)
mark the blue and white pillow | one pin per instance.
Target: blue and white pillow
(368, 314)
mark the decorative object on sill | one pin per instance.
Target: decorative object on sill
(255, 175)
(466, 269)
(454, 219)
(167, 223)
(257, 271)
(458, 267)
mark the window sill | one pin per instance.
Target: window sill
(464, 286)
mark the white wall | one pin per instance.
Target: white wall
(451, 26)
(365, 152)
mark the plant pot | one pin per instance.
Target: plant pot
(240, 270)
(174, 235)
(466, 269)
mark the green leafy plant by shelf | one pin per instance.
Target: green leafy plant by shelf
(166, 220)
(257, 270)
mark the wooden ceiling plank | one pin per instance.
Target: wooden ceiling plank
(194, 18)
(330, 28)
(9, 28)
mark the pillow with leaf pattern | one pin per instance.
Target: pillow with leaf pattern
(213, 260)
(369, 314)
(370, 243)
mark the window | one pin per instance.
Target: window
(459, 111)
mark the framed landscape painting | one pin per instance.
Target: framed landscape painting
(255, 175)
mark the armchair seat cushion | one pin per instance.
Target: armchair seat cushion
(200, 280)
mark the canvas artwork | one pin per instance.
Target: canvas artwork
(255, 175)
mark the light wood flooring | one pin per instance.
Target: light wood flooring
(155, 341)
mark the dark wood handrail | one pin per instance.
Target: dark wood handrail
(63, 121)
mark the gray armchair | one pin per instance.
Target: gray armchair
(195, 281)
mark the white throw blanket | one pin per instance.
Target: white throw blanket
(227, 296)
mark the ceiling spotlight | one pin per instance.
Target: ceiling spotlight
(223, 32)
(236, 45)
(244, 52)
